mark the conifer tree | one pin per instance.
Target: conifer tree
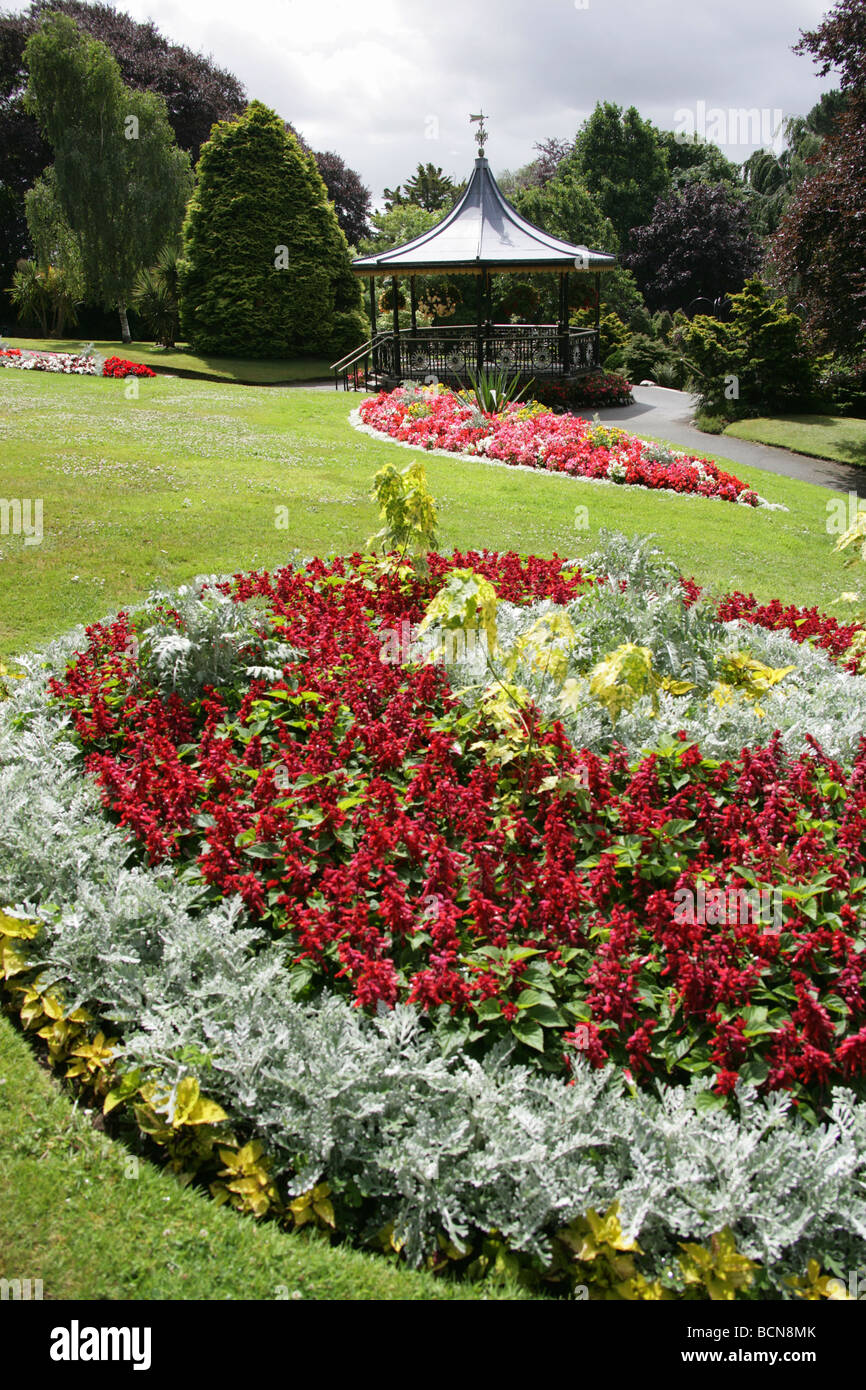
(265, 270)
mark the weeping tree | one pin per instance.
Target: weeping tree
(120, 180)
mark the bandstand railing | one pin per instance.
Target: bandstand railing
(450, 354)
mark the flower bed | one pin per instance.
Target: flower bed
(349, 837)
(364, 816)
(71, 364)
(528, 436)
(585, 392)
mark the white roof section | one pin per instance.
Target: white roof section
(483, 231)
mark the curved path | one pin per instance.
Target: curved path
(664, 414)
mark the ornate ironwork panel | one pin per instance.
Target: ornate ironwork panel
(448, 354)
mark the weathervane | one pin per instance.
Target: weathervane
(481, 133)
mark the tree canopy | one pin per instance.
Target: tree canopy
(121, 183)
(196, 92)
(350, 198)
(819, 250)
(621, 159)
(699, 244)
(428, 188)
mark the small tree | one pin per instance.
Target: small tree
(42, 293)
(120, 180)
(754, 362)
(56, 245)
(265, 270)
(698, 244)
(156, 297)
(428, 188)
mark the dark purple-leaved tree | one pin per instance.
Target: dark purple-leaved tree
(819, 250)
(698, 246)
(350, 198)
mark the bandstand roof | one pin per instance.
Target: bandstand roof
(483, 232)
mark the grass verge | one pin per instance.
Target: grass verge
(245, 370)
(835, 437)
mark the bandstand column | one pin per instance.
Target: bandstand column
(397, 365)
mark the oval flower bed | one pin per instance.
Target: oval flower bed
(71, 363)
(362, 814)
(532, 437)
(405, 960)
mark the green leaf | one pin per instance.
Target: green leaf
(528, 1032)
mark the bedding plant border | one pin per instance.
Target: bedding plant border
(465, 1191)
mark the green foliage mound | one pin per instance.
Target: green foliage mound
(265, 269)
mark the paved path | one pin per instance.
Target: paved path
(664, 414)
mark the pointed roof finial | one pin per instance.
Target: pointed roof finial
(481, 133)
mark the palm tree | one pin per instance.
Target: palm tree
(43, 295)
(156, 297)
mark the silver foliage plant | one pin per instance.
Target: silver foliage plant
(436, 1142)
(687, 644)
(213, 639)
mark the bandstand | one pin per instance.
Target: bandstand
(482, 235)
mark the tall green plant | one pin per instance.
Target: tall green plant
(265, 269)
(121, 181)
(494, 389)
(156, 297)
(408, 513)
(43, 295)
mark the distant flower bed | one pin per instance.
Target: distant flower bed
(530, 436)
(71, 363)
(595, 389)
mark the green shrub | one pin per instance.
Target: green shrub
(841, 385)
(612, 332)
(710, 424)
(644, 355)
(755, 363)
(265, 269)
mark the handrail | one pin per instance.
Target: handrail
(353, 356)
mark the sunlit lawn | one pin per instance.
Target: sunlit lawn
(196, 477)
(823, 436)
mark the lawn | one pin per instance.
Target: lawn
(195, 477)
(821, 436)
(240, 369)
(66, 1190)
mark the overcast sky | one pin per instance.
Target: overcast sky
(389, 83)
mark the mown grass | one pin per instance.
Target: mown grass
(834, 437)
(81, 1213)
(239, 369)
(195, 477)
